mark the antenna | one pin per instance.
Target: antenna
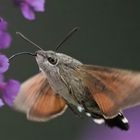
(28, 40)
(67, 37)
(21, 53)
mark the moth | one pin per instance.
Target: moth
(101, 93)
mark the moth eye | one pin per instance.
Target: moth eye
(52, 60)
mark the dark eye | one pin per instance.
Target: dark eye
(52, 60)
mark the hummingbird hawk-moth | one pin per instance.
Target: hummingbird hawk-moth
(99, 92)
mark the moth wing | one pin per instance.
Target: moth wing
(112, 89)
(37, 99)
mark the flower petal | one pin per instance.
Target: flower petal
(3, 24)
(10, 91)
(37, 5)
(5, 40)
(27, 11)
(1, 103)
(4, 63)
(29, 7)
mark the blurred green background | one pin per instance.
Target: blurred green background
(109, 36)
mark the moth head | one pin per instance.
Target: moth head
(50, 60)
(46, 58)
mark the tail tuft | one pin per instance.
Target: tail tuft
(119, 121)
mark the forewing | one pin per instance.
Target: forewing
(112, 89)
(37, 99)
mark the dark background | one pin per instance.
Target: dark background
(109, 36)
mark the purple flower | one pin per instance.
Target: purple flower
(8, 89)
(4, 63)
(5, 38)
(29, 7)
